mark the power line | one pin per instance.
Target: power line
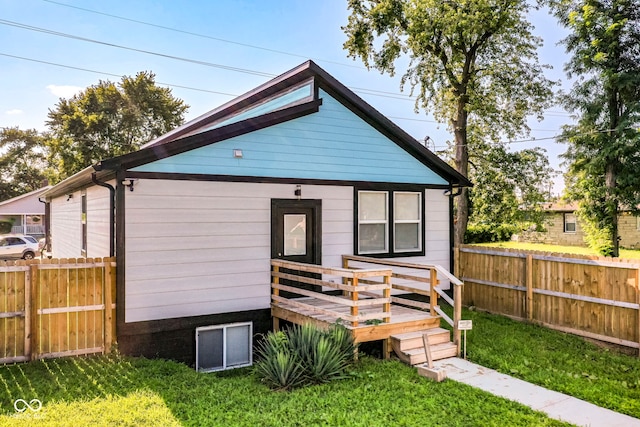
(110, 74)
(177, 30)
(148, 52)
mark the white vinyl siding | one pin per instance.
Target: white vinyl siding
(197, 248)
(66, 226)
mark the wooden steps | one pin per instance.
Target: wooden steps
(410, 348)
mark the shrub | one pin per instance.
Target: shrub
(5, 227)
(482, 233)
(304, 355)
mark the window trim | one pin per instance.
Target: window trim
(637, 222)
(565, 222)
(390, 251)
(83, 223)
(419, 221)
(386, 222)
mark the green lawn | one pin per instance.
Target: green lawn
(558, 361)
(579, 250)
(105, 391)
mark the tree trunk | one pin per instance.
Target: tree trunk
(462, 166)
(611, 172)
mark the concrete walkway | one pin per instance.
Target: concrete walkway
(556, 405)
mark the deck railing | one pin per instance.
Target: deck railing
(352, 284)
(415, 283)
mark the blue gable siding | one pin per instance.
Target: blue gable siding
(332, 144)
(267, 107)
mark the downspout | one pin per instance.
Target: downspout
(47, 224)
(112, 212)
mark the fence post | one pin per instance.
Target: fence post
(108, 302)
(528, 271)
(27, 312)
(638, 302)
(31, 313)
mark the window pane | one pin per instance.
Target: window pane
(407, 206)
(373, 237)
(373, 206)
(569, 223)
(406, 236)
(238, 345)
(295, 236)
(210, 349)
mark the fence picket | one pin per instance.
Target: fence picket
(64, 308)
(590, 296)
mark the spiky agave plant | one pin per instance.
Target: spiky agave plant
(278, 367)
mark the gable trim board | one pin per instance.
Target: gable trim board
(219, 129)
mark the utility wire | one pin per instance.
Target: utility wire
(177, 30)
(148, 52)
(111, 74)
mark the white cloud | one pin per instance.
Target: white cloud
(64, 91)
(14, 112)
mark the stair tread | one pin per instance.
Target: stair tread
(434, 348)
(418, 334)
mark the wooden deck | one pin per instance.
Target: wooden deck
(401, 319)
(359, 296)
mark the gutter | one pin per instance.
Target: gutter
(112, 212)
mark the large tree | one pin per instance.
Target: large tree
(109, 119)
(22, 162)
(473, 63)
(510, 186)
(604, 143)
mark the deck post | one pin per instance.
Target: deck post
(457, 315)
(386, 293)
(345, 281)
(354, 297)
(275, 291)
(433, 297)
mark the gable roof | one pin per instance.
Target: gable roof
(24, 204)
(291, 95)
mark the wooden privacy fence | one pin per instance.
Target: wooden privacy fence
(56, 307)
(593, 297)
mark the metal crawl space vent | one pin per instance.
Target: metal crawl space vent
(221, 347)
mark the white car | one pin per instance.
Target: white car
(14, 246)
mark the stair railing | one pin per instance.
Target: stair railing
(436, 274)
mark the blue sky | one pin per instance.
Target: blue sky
(284, 33)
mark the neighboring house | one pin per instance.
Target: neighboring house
(25, 213)
(300, 168)
(563, 228)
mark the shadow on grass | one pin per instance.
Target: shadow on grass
(98, 390)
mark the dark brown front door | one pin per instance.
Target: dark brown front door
(296, 234)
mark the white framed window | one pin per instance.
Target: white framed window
(373, 222)
(390, 222)
(569, 223)
(221, 347)
(407, 221)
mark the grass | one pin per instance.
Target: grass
(578, 250)
(555, 360)
(104, 391)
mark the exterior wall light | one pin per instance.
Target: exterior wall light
(237, 153)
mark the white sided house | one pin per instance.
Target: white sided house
(300, 169)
